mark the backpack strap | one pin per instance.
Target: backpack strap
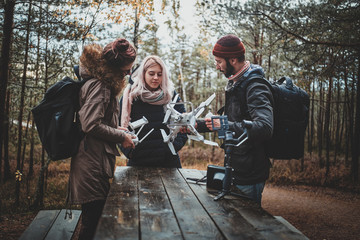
(243, 87)
(77, 72)
(221, 111)
(131, 81)
(174, 95)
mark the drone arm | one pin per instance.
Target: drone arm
(200, 109)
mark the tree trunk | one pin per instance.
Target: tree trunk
(327, 127)
(5, 61)
(312, 122)
(319, 124)
(356, 145)
(31, 153)
(182, 81)
(37, 68)
(136, 29)
(25, 140)
(22, 99)
(256, 47)
(347, 117)
(7, 170)
(39, 195)
(337, 126)
(351, 116)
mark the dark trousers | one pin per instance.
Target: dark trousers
(90, 215)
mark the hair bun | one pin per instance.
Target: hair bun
(119, 52)
(120, 45)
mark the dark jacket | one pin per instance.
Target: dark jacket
(250, 163)
(153, 152)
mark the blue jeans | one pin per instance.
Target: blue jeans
(253, 191)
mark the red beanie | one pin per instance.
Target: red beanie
(229, 46)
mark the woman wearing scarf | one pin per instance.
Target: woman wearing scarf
(148, 93)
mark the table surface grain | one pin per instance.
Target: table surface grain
(160, 203)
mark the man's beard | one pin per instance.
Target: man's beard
(229, 69)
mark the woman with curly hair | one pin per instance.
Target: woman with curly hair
(93, 165)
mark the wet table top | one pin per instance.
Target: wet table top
(159, 203)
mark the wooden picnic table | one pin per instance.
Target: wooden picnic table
(159, 203)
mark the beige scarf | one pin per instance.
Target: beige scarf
(157, 97)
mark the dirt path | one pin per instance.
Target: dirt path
(317, 212)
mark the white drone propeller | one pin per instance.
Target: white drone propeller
(171, 109)
(139, 124)
(167, 140)
(199, 110)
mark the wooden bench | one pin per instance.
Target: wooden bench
(51, 224)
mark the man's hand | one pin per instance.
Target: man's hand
(209, 123)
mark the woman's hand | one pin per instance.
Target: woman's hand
(128, 143)
(186, 129)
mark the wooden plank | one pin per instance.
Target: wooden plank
(268, 226)
(41, 224)
(192, 218)
(289, 225)
(157, 218)
(227, 218)
(120, 217)
(260, 220)
(62, 228)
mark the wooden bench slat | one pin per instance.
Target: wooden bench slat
(41, 225)
(268, 226)
(286, 223)
(64, 228)
(264, 223)
(226, 217)
(191, 216)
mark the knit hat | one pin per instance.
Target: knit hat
(229, 46)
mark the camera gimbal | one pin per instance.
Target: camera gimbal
(229, 142)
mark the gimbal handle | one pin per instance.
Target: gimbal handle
(224, 133)
(224, 125)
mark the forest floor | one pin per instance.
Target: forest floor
(319, 213)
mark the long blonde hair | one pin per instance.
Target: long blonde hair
(139, 77)
(138, 88)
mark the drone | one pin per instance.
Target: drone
(139, 124)
(175, 121)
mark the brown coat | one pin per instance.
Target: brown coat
(94, 164)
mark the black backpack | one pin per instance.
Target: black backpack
(291, 112)
(56, 118)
